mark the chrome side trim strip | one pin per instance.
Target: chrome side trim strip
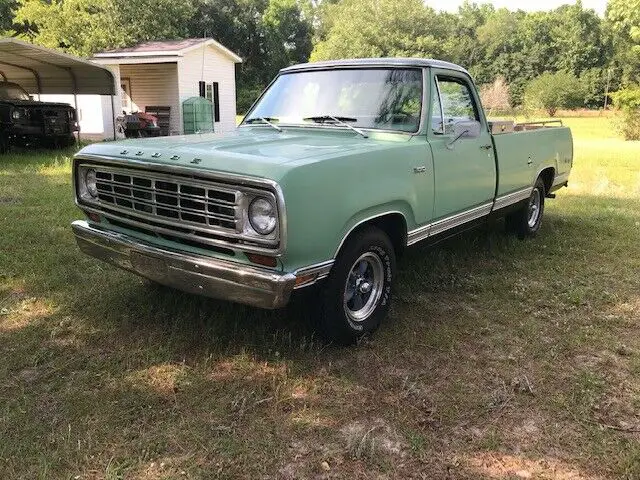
(448, 223)
(460, 218)
(511, 198)
(364, 221)
(320, 269)
(419, 234)
(560, 179)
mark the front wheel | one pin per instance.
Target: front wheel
(4, 143)
(527, 221)
(357, 293)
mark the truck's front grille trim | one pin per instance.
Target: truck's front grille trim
(172, 237)
(220, 198)
(176, 199)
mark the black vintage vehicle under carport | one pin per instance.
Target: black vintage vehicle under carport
(25, 122)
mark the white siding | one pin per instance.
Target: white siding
(213, 66)
(155, 84)
(90, 112)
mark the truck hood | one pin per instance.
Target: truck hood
(34, 103)
(255, 151)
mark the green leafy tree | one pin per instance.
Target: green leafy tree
(267, 34)
(6, 16)
(596, 82)
(502, 42)
(461, 41)
(552, 91)
(577, 37)
(521, 46)
(288, 34)
(623, 21)
(628, 100)
(380, 28)
(83, 27)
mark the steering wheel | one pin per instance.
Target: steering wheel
(403, 117)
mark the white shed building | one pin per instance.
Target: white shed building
(166, 73)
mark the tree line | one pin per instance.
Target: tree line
(514, 47)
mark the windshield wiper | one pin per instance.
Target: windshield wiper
(265, 120)
(340, 121)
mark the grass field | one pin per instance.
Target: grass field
(501, 359)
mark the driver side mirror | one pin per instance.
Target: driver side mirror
(464, 129)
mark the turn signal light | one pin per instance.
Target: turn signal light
(304, 279)
(94, 217)
(262, 260)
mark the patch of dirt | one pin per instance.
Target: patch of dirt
(161, 378)
(24, 311)
(318, 461)
(500, 466)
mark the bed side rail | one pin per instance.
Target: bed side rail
(519, 127)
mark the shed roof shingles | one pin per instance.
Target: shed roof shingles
(160, 46)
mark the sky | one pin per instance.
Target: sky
(528, 5)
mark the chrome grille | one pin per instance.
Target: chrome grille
(171, 199)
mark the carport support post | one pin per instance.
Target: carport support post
(113, 117)
(75, 103)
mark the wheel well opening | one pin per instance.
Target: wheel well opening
(547, 176)
(395, 227)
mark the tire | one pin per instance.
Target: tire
(67, 141)
(357, 293)
(4, 143)
(527, 221)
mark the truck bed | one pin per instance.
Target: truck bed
(525, 149)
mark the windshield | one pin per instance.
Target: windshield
(11, 91)
(376, 98)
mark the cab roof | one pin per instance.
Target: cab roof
(375, 62)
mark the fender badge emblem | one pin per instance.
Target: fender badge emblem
(139, 153)
(196, 160)
(156, 155)
(124, 152)
(175, 157)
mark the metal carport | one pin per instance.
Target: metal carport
(41, 70)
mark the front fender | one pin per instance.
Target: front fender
(399, 207)
(326, 200)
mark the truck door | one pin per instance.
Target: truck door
(464, 166)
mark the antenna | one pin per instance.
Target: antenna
(202, 66)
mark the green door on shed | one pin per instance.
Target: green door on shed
(197, 115)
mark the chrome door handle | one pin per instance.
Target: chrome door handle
(420, 169)
(486, 147)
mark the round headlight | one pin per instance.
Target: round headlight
(16, 114)
(90, 182)
(262, 216)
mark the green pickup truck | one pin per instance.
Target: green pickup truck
(335, 170)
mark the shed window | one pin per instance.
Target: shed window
(212, 93)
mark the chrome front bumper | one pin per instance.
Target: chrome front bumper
(200, 275)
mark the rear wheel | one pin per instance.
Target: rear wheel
(357, 294)
(527, 221)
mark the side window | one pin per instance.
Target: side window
(457, 102)
(436, 112)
